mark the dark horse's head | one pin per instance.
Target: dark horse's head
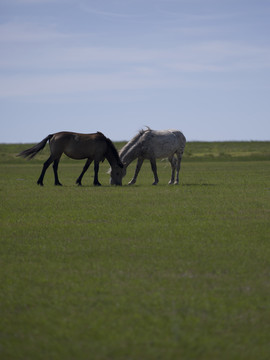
(116, 173)
(117, 167)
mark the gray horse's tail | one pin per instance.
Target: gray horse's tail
(30, 153)
(182, 142)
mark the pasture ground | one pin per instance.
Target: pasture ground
(141, 272)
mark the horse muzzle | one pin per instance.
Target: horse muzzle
(118, 183)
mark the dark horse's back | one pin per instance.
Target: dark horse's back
(79, 146)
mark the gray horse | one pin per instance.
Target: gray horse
(152, 144)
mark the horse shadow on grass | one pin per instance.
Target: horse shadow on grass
(165, 185)
(199, 184)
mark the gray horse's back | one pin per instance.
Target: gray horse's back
(163, 143)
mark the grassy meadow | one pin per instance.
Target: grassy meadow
(142, 271)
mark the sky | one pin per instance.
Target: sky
(115, 66)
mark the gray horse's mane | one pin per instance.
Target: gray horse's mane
(133, 141)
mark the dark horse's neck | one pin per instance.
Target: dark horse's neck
(112, 154)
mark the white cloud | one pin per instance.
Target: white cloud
(77, 67)
(75, 70)
(34, 2)
(213, 56)
(13, 32)
(76, 83)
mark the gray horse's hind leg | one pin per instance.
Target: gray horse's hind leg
(85, 168)
(154, 169)
(172, 160)
(138, 168)
(179, 158)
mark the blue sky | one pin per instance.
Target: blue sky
(200, 66)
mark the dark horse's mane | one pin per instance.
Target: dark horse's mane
(113, 149)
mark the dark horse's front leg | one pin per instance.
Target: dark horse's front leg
(96, 182)
(86, 166)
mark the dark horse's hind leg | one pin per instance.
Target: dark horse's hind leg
(86, 166)
(55, 168)
(45, 167)
(96, 182)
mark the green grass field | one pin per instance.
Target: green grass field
(140, 272)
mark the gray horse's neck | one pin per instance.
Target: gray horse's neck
(132, 149)
(131, 154)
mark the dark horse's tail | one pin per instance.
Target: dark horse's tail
(30, 153)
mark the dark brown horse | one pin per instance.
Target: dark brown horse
(79, 146)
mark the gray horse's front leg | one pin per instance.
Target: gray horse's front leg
(137, 170)
(154, 169)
